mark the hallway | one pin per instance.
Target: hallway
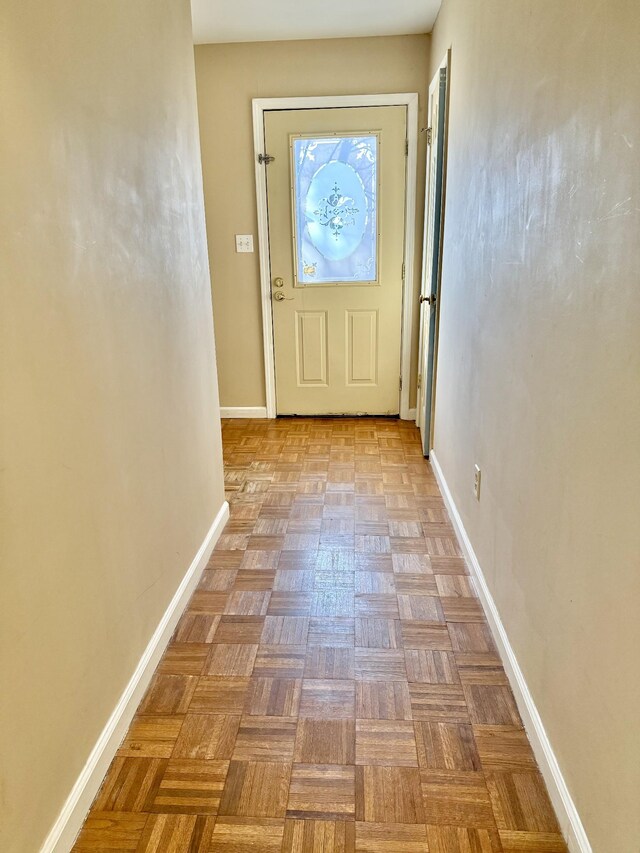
(332, 685)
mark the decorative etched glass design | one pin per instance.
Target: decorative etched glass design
(335, 208)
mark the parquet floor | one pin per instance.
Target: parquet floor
(332, 686)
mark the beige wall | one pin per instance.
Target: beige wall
(110, 450)
(539, 370)
(228, 77)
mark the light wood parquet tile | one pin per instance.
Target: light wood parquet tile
(280, 661)
(207, 736)
(169, 694)
(278, 697)
(388, 794)
(151, 737)
(446, 746)
(196, 628)
(458, 839)
(329, 662)
(246, 835)
(378, 633)
(318, 836)
(333, 685)
(117, 832)
(322, 792)
(521, 803)
(184, 659)
(504, 749)
(256, 789)
(386, 742)
(130, 785)
(190, 787)
(387, 700)
(457, 798)
(325, 742)
(431, 667)
(391, 838)
(265, 738)
(231, 659)
(176, 833)
(239, 629)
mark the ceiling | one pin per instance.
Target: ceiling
(272, 20)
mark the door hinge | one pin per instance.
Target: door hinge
(401, 383)
(419, 380)
(429, 134)
(265, 159)
(406, 148)
(403, 270)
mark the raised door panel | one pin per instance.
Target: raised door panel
(311, 347)
(362, 347)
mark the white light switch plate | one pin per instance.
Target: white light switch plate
(244, 242)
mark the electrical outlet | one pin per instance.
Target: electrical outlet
(476, 481)
(244, 242)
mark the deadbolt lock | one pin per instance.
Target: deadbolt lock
(278, 282)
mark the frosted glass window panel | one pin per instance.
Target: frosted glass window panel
(335, 208)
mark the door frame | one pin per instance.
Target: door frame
(445, 64)
(259, 107)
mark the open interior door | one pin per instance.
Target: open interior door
(432, 253)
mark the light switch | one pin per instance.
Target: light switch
(244, 242)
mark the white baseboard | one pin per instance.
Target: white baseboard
(243, 411)
(70, 820)
(565, 808)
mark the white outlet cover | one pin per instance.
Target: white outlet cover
(244, 242)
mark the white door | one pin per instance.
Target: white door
(432, 256)
(336, 209)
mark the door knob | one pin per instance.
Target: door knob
(280, 297)
(430, 300)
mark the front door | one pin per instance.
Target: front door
(336, 203)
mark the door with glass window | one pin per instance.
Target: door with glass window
(336, 206)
